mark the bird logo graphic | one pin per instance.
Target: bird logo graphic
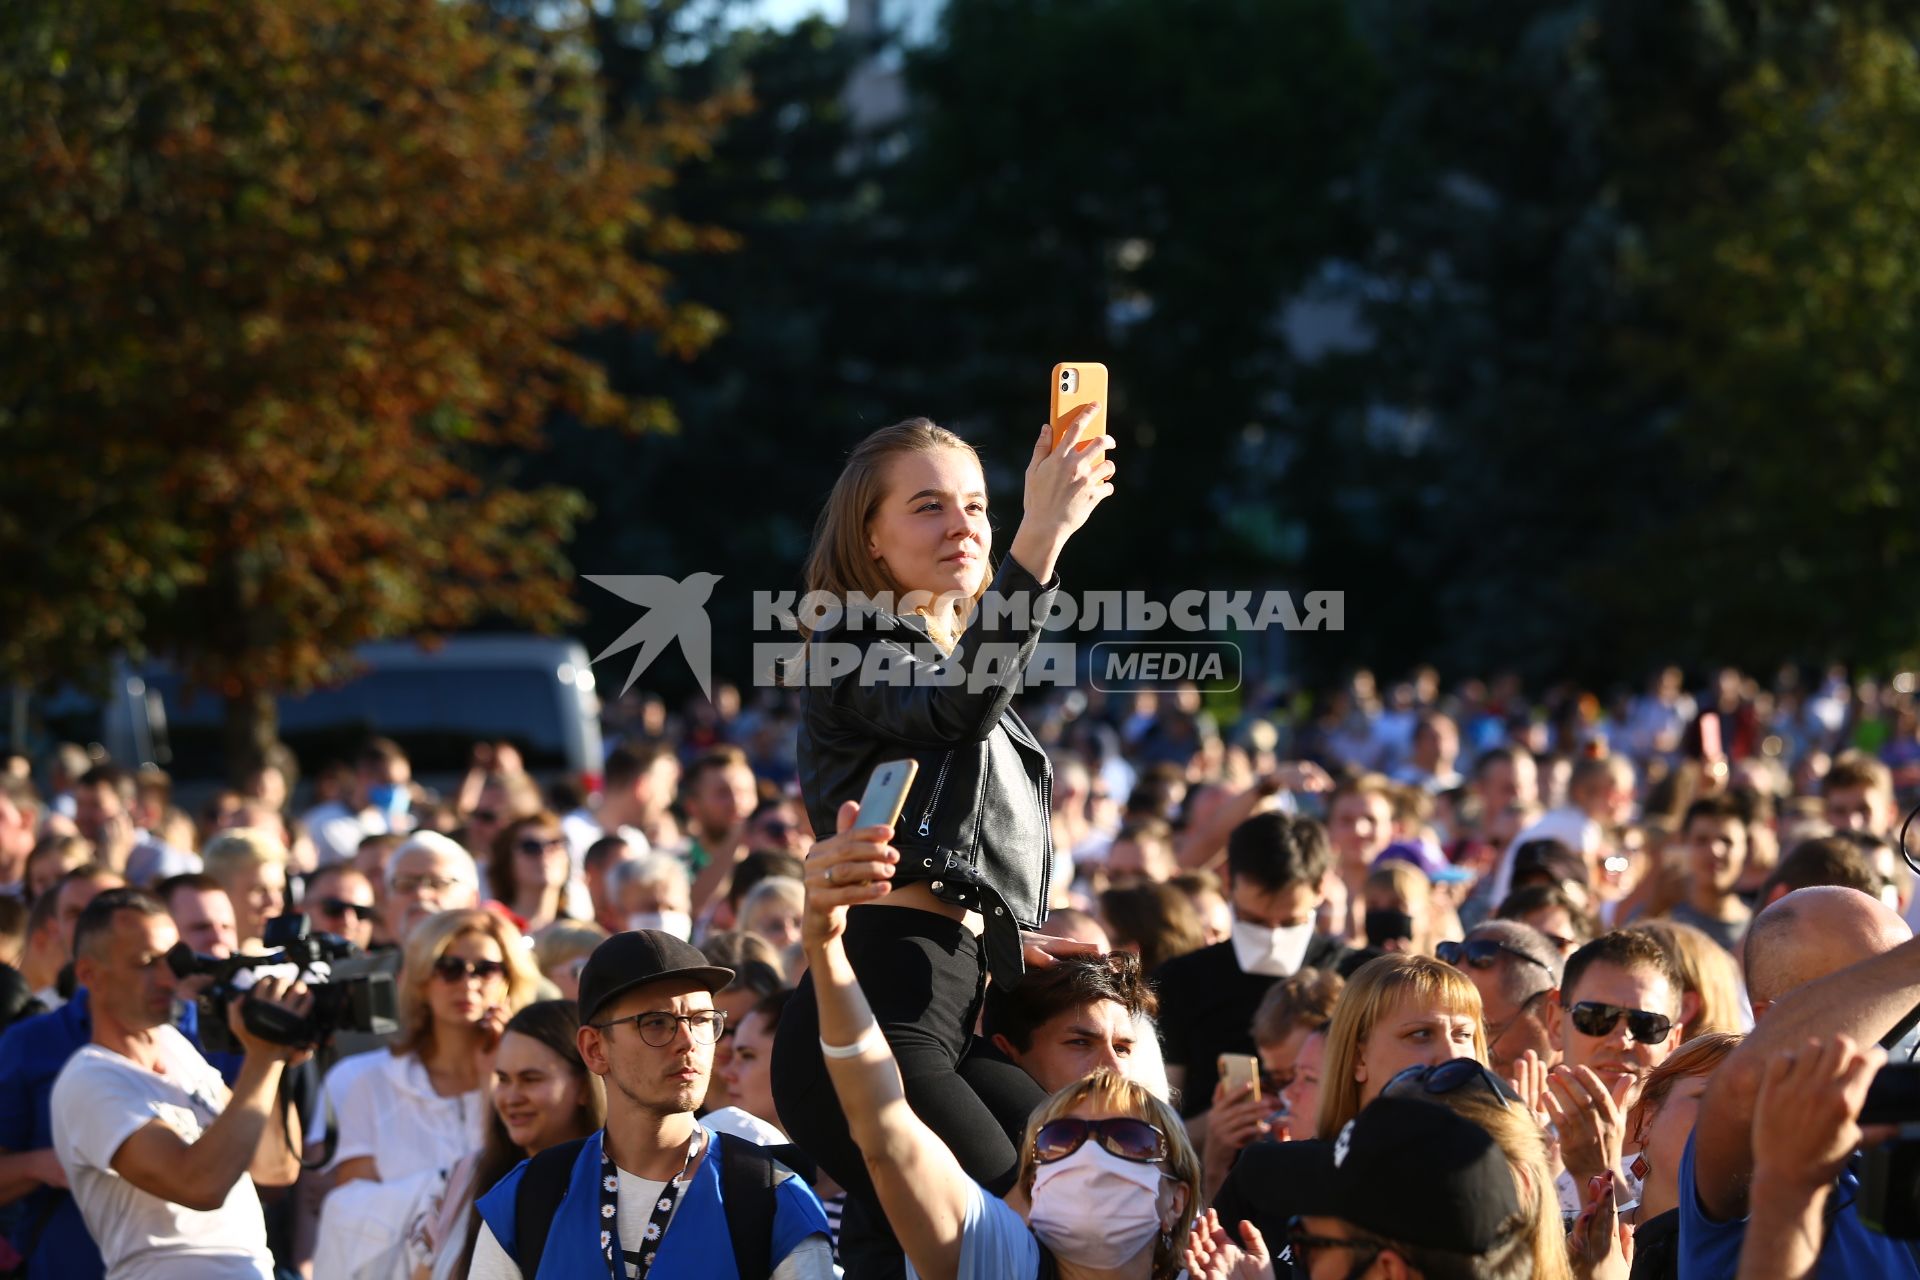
(676, 610)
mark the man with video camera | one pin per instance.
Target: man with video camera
(162, 1157)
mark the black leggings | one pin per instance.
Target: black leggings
(924, 976)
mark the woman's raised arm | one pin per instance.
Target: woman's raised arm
(921, 1185)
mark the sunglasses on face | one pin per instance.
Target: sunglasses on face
(454, 969)
(1481, 953)
(1122, 1136)
(343, 907)
(1591, 1018)
(1446, 1077)
(1302, 1244)
(487, 816)
(537, 846)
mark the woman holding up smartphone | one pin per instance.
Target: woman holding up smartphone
(930, 673)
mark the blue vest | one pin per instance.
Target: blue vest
(695, 1247)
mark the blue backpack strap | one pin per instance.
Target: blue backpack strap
(537, 1199)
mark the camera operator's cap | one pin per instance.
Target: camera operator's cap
(638, 957)
(1415, 1172)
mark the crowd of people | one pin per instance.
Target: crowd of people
(1436, 982)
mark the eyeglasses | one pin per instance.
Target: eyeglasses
(1495, 1035)
(1481, 953)
(342, 907)
(454, 969)
(1122, 1136)
(1446, 1077)
(431, 884)
(1301, 1245)
(537, 846)
(662, 1029)
(1591, 1018)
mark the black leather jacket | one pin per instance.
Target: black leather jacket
(976, 822)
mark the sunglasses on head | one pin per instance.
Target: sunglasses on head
(342, 907)
(1481, 953)
(454, 969)
(1122, 1136)
(1446, 1077)
(1592, 1018)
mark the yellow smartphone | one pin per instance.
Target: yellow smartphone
(1240, 1070)
(1077, 382)
(886, 793)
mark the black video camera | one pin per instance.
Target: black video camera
(1890, 1171)
(351, 992)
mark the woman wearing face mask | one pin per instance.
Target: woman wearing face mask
(530, 869)
(907, 524)
(653, 892)
(1106, 1185)
(543, 1095)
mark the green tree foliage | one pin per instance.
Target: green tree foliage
(1792, 302)
(284, 285)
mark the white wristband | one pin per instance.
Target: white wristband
(854, 1050)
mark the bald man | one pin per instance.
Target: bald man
(1821, 962)
(1813, 932)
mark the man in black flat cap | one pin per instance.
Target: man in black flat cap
(655, 1194)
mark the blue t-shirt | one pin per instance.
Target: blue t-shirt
(1710, 1250)
(995, 1243)
(31, 1055)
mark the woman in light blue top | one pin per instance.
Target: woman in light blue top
(1108, 1183)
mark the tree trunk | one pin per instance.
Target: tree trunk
(252, 727)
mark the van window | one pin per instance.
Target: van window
(435, 714)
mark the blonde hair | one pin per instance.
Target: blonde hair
(428, 942)
(1109, 1091)
(839, 562)
(1706, 969)
(563, 942)
(1373, 990)
(240, 848)
(1524, 1143)
(782, 891)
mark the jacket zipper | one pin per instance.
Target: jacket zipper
(933, 801)
(1046, 824)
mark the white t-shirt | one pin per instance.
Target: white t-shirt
(99, 1101)
(386, 1108)
(637, 1198)
(811, 1259)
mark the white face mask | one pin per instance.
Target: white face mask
(1269, 952)
(677, 923)
(1095, 1209)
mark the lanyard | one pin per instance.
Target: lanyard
(662, 1209)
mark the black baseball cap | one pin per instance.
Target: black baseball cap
(1414, 1172)
(637, 957)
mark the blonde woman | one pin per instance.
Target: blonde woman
(1106, 1185)
(251, 865)
(422, 1104)
(903, 546)
(1396, 1012)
